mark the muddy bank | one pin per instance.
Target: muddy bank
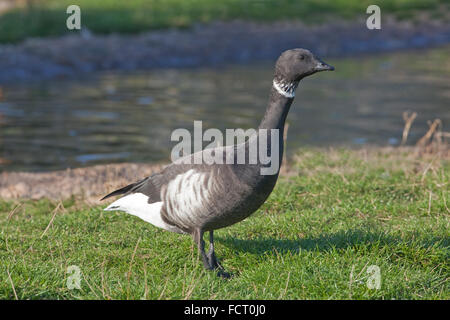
(206, 45)
(91, 183)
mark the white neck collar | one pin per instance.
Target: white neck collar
(286, 89)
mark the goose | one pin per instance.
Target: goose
(193, 198)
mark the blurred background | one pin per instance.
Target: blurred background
(116, 89)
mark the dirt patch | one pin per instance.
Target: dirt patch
(90, 182)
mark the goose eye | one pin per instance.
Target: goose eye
(302, 57)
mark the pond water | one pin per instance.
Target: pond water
(116, 117)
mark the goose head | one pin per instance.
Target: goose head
(295, 64)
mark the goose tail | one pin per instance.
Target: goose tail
(127, 189)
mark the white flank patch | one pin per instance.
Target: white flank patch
(281, 91)
(137, 204)
(194, 194)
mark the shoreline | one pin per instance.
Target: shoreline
(212, 45)
(90, 183)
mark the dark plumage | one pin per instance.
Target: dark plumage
(196, 198)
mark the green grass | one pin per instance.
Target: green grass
(331, 217)
(47, 17)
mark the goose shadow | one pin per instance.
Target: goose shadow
(324, 242)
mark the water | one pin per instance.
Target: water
(129, 117)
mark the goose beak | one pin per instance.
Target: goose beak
(322, 66)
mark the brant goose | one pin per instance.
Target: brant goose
(191, 198)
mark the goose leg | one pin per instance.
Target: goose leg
(213, 260)
(198, 238)
(211, 255)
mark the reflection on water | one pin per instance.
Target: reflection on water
(130, 117)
